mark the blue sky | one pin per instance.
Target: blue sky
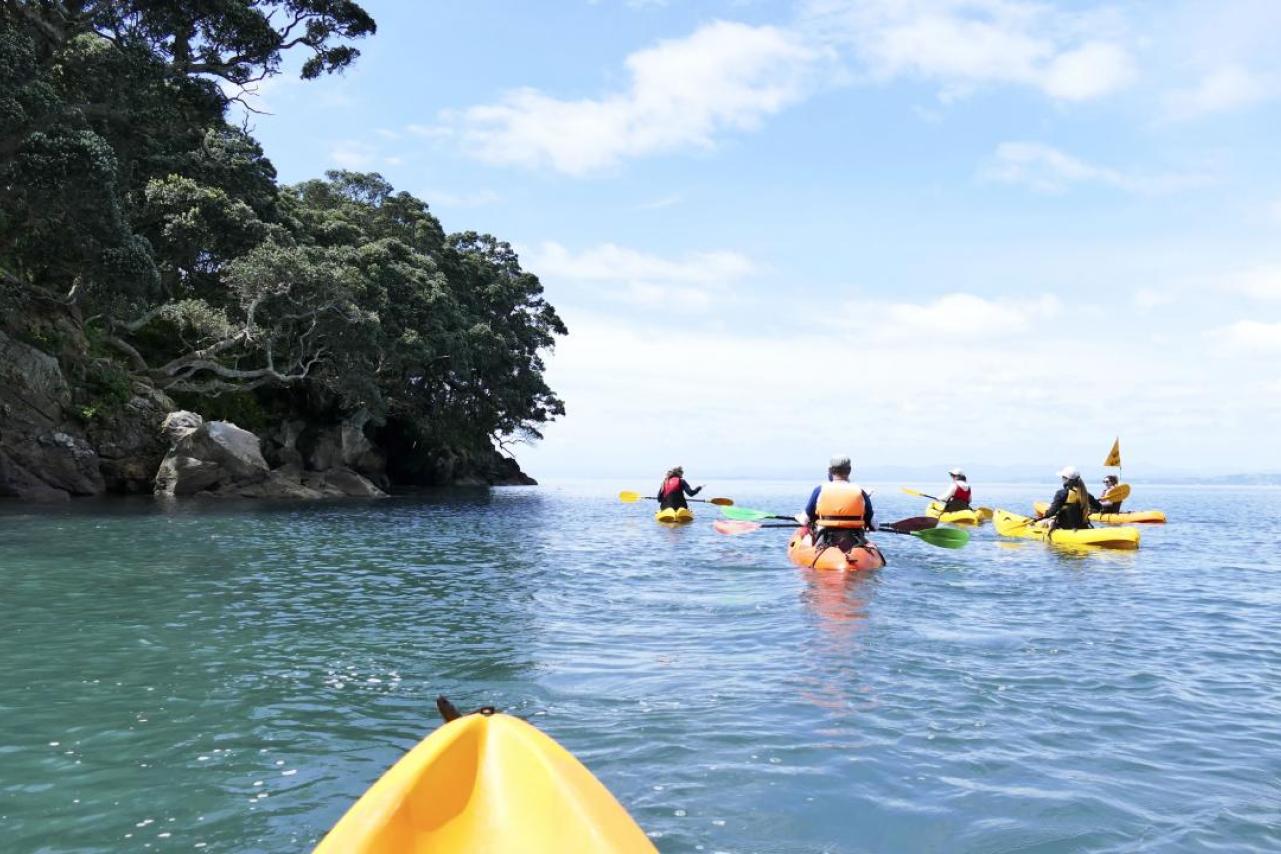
(971, 232)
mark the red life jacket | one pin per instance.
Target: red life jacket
(962, 493)
(672, 484)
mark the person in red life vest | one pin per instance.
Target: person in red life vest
(674, 489)
(958, 495)
(839, 513)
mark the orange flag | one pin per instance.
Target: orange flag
(1114, 456)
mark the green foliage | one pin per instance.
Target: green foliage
(124, 191)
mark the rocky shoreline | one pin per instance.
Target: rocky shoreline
(49, 451)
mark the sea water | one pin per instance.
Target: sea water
(218, 676)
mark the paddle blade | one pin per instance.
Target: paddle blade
(732, 526)
(722, 502)
(915, 492)
(1120, 492)
(629, 497)
(944, 538)
(744, 514)
(985, 513)
(915, 523)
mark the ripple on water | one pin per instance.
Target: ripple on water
(231, 676)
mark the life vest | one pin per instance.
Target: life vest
(672, 484)
(962, 493)
(841, 505)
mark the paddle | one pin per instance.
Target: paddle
(920, 494)
(944, 538)
(632, 497)
(1120, 492)
(747, 514)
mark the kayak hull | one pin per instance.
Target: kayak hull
(1013, 525)
(1131, 517)
(678, 516)
(975, 516)
(801, 551)
(486, 783)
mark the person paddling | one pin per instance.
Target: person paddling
(1109, 482)
(1072, 505)
(958, 495)
(839, 513)
(672, 492)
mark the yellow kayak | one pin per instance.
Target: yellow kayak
(677, 516)
(1013, 525)
(1150, 517)
(486, 783)
(976, 516)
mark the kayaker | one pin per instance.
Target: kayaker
(1072, 505)
(672, 492)
(1109, 482)
(958, 495)
(839, 513)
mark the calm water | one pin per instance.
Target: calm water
(231, 677)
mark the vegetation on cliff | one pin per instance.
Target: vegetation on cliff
(155, 232)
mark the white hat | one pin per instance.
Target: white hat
(1070, 472)
(956, 473)
(839, 461)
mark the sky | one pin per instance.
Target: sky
(985, 233)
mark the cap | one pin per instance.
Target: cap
(839, 461)
(1069, 472)
(956, 473)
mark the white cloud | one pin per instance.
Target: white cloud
(660, 203)
(682, 93)
(1262, 283)
(1146, 299)
(1227, 88)
(958, 315)
(966, 44)
(352, 154)
(1050, 170)
(1248, 337)
(691, 281)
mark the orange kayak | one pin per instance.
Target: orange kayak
(801, 551)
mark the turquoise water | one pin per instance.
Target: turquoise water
(233, 676)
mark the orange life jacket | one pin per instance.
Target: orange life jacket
(841, 505)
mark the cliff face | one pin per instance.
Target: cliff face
(54, 445)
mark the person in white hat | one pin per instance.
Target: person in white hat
(674, 488)
(958, 495)
(839, 512)
(1073, 504)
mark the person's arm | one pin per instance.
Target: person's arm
(868, 511)
(688, 491)
(811, 507)
(1060, 498)
(1095, 505)
(947, 496)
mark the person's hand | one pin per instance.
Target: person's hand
(801, 519)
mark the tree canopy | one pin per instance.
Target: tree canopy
(128, 197)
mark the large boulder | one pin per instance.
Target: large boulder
(216, 455)
(344, 445)
(41, 458)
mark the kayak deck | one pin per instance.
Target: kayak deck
(1147, 517)
(1013, 525)
(801, 551)
(486, 783)
(975, 516)
(678, 516)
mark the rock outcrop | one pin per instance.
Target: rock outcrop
(41, 458)
(218, 458)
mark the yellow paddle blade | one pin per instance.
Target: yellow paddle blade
(629, 497)
(1120, 492)
(915, 492)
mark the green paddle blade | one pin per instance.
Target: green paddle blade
(944, 538)
(744, 514)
